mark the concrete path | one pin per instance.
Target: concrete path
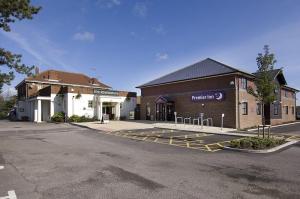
(134, 125)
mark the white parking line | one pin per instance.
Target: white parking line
(1, 167)
(11, 195)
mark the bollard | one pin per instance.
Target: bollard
(222, 121)
(201, 116)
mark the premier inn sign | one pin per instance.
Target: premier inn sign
(106, 92)
(208, 96)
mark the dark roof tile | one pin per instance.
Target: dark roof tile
(204, 68)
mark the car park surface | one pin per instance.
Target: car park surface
(64, 161)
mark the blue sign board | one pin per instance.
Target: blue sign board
(208, 96)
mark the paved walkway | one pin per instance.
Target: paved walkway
(134, 125)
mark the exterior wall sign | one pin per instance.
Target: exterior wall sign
(208, 96)
(106, 92)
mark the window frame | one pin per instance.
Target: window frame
(286, 93)
(286, 110)
(92, 103)
(244, 109)
(276, 107)
(293, 110)
(258, 108)
(244, 83)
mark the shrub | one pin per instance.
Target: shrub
(76, 118)
(3, 115)
(256, 143)
(58, 117)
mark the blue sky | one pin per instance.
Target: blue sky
(125, 43)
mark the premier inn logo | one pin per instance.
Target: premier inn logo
(208, 96)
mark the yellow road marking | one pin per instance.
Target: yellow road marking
(207, 148)
(220, 145)
(187, 144)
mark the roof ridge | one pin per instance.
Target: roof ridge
(175, 71)
(63, 71)
(230, 67)
(222, 68)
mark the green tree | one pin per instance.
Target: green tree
(10, 12)
(264, 84)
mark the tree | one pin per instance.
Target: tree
(10, 11)
(264, 84)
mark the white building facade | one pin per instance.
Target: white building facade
(50, 92)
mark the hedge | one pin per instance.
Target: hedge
(256, 143)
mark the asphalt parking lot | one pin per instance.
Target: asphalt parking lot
(63, 161)
(191, 140)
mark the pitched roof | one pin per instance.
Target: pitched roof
(204, 68)
(62, 77)
(276, 73)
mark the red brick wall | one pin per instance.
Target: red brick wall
(252, 119)
(180, 93)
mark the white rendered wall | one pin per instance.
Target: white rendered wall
(79, 106)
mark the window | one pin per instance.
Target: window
(286, 110)
(90, 103)
(285, 94)
(244, 108)
(276, 109)
(258, 109)
(293, 110)
(243, 83)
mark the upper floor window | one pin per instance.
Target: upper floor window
(244, 83)
(286, 110)
(244, 108)
(276, 109)
(286, 94)
(258, 109)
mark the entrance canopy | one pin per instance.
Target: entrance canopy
(163, 100)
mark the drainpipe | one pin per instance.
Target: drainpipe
(238, 102)
(73, 105)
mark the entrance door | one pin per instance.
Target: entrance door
(161, 112)
(170, 112)
(45, 110)
(107, 110)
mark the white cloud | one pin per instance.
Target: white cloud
(160, 29)
(140, 9)
(161, 56)
(84, 36)
(108, 3)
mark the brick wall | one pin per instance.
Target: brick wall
(181, 93)
(251, 119)
(286, 101)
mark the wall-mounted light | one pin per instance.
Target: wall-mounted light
(231, 83)
(202, 105)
